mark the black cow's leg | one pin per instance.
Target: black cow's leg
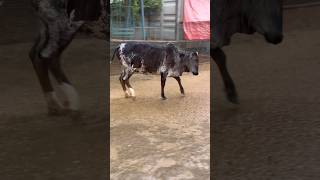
(71, 98)
(180, 85)
(56, 33)
(220, 59)
(130, 89)
(41, 67)
(122, 82)
(163, 83)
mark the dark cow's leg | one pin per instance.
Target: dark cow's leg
(71, 99)
(41, 68)
(130, 89)
(220, 59)
(122, 82)
(55, 35)
(163, 83)
(180, 85)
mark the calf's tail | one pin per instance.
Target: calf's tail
(114, 52)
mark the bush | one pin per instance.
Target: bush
(150, 7)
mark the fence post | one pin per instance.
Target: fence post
(129, 14)
(161, 20)
(142, 19)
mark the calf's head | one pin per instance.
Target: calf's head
(265, 17)
(190, 62)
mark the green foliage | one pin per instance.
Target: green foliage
(119, 8)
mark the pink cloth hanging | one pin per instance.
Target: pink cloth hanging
(196, 20)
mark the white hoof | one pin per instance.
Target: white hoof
(127, 94)
(132, 93)
(71, 97)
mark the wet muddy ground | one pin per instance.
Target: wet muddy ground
(35, 146)
(161, 139)
(275, 131)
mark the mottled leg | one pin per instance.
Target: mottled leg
(130, 89)
(52, 45)
(60, 28)
(56, 33)
(180, 85)
(122, 82)
(41, 67)
(163, 83)
(129, 70)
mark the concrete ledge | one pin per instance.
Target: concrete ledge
(200, 46)
(301, 5)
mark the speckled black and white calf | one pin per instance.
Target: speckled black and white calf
(57, 29)
(166, 60)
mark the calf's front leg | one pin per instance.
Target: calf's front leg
(220, 59)
(180, 85)
(163, 83)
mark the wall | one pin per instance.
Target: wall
(18, 21)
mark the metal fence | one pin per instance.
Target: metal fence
(162, 25)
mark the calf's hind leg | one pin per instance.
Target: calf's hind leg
(122, 82)
(163, 83)
(71, 98)
(41, 67)
(130, 89)
(220, 59)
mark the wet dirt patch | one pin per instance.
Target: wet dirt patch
(156, 139)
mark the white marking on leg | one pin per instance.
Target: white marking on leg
(71, 95)
(122, 56)
(122, 45)
(127, 94)
(132, 93)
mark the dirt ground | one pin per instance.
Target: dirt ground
(275, 131)
(161, 139)
(35, 146)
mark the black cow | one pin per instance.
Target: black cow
(166, 60)
(242, 16)
(60, 21)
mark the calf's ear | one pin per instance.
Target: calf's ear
(195, 53)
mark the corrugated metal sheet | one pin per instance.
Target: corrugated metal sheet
(168, 19)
